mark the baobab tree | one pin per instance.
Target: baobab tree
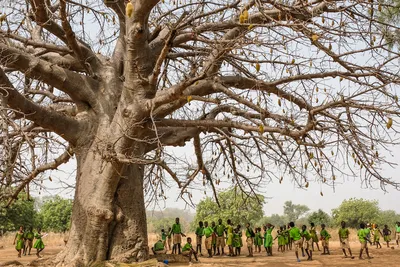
(261, 89)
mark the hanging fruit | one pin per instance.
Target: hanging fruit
(129, 9)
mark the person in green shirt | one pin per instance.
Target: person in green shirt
(229, 235)
(214, 238)
(220, 230)
(19, 241)
(39, 245)
(159, 248)
(199, 237)
(344, 239)
(235, 242)
(187, 250)
(177, 233)
(397, 233)
(386, 234)
(295, 235)
(307, 242)
(258, 240)
(314, 236)
(363, 237)
(239, 227)
(377, 235)
(281, 239)
(268, 239)
(28, 237)
(249, 239)
(208, 233)
(163, 237)
(325, 236)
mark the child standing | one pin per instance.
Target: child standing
(377, 235)
(325, 236)
(344, 239)
(187, 250)
(281, 239)
(28, 236)
(235, 242)
(362, 236)
(295, 235)
(258, 240)
(214, 237)
(397, 233)
(386, 235)
(208, 232)
(199, 237)
(177, 233)
(249, 239)
(286, 235)
(169, 238)
(229, 234)
(307, 242)
(314, 236)
(220, 237)
(239, 227)
(163, 237)
(19, 240)
(39, 245)
(268, 239)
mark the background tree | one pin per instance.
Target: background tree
(320, 217)
(274, 219)
(234, 205)
(56, 214)
(20, 213)
(294, 211)
(264, 90)
(355, 211)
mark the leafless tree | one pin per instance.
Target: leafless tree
(263, 89)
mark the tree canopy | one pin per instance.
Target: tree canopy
(320, 217)
(263, 91)
(234, 205)
(56, 214)
(294, 211)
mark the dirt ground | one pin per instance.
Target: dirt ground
(381, 257)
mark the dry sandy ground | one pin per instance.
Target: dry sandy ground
(382, 257)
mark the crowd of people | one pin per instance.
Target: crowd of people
(23, 241)
(290, 237)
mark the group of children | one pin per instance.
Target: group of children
(289, 236)
(23, 241)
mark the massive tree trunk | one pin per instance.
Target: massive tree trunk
(109, 218)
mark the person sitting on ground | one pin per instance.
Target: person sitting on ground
(187, 250)
(159, 248)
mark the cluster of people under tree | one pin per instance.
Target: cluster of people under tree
(289, 236)
(23, 241)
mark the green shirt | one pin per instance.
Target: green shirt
(306, 235)
(29, 235)
(294, 233)
(325, 235)
(186, 247)
(199, 231)
(249, 232)
(176, 228)
(208, 231)
(163, 236)
(397, 228)
(159, 245)
(362, 235)
(344, 233)
(220, 229)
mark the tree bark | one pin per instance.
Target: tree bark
(109, 217)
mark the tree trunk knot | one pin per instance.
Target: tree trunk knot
(100, 213)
